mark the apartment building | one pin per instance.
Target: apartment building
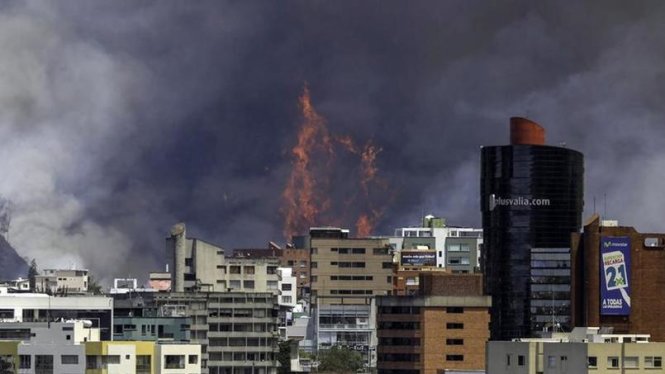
(237, 331)
(298, 259)
(62, 281)
(584, 350)
(199, 265)
(343, 266)
(456, 248)
(445, 327)
(35, 307)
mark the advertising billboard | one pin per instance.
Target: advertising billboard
(615, 275)
(418, 258)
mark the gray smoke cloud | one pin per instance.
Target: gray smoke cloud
(118, 119)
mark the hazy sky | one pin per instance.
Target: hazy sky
(120, 118)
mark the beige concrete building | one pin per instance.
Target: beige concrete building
(199, 265)
(343, 266)
(62, 281)
(585, 350)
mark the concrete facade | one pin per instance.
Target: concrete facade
(237, 331)
(344, 267)
(564, 353)
(62, 281)
(204, 267)
(31, 307)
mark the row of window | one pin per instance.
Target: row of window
(384, 265)
(406, 357)
(46, 361)
(351, 292)
(415, 310)
(613, 362)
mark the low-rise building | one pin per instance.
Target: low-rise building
(584, 350)
(61, 281)
(36, 307)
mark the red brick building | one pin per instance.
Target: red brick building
(444, 327)
(646, 279)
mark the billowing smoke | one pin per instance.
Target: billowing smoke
(5, 215)
(118, 119)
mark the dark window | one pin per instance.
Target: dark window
(454, 341)
(454, 357)
(455, 309)
(387, 265)
(24, 362)
(454, 326)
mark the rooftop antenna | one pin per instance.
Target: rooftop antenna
(605, 204)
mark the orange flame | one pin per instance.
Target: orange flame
(299, 195)
(306, 193)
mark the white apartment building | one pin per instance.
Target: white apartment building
(457, 248)
(36, 307)
(287, 284)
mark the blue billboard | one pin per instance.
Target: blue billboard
(614, 275)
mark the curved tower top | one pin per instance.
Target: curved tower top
(525, 131)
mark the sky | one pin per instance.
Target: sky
(119, 119)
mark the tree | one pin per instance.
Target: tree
(284, 357)
(93, 286)
(32, 273)
(340, 360)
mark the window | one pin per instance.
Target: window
(613, 362)
(188, 262)
(380, 251)
(551, 362)
(454, 341)
(454, 357)
(653, 361)
(91, 362)
(248, 284)
(234, 284)
(314, 265)
(286, 287)
(455, 310)
(69, 359)
(387, 265)
(314, 278)
(631, 362)
(508, 360)
(520, 360)
(234, 269)
(454, 326)
(272, 285)
(174, 361)
(358, 251)
(43, 364)
(143, 364)
(592, 362)
(287, 299)
(314, 251)
(110, 359)
(250, 270)
(24, 361)
(193, 359)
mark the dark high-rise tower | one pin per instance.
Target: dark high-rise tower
(531, 201)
